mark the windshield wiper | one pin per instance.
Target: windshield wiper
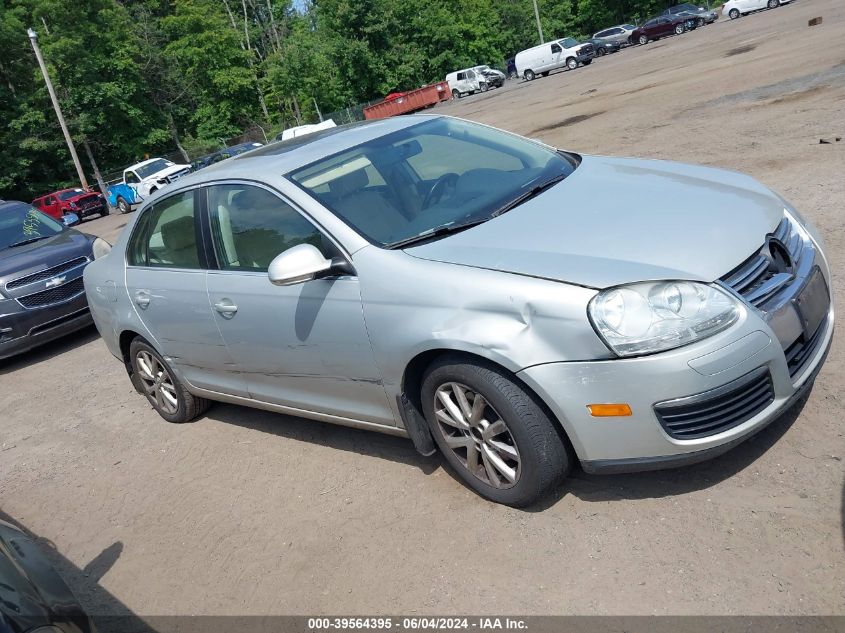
(437, 231)
(534, 191)
(29, 241)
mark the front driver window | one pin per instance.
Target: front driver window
(251, 226)
(166, 238)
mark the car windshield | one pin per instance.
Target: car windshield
(684, 7)
(437, 174)
(153, 168)
(23, 224)
(569, 42)
(71, 193)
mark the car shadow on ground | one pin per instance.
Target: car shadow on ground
(110, 615)
(49, 350)
(369, 443)
(676, 481)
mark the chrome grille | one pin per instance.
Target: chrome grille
(59, 294)
(758, 278)
(41, 275)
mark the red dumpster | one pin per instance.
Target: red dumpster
(412, 101)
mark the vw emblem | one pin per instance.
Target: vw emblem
(780, 259)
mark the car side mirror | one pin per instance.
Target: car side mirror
(297, 265)
(70, 219)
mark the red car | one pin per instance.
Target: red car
(82, 203)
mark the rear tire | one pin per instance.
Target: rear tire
(456, 94)
(529, 75)
(505, 447)
(163, 390)
(601, 52)
(123, 206)
(774, 4)
(733, 14)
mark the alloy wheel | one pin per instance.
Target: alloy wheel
(158, 385)
(477, 435)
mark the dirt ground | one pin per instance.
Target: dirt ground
(247, 512)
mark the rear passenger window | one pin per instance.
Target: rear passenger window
(166, 236)
(251, 226)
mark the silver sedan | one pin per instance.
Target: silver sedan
(517, 307)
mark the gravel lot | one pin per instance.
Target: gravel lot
(250, 512)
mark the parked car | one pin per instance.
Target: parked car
(303, 130)
(700, 15)
(494, 78)
(466, 82)
(439, 279)
(41, 264)
(604, 48)
(735, 8)
(541, 60)
(77, 201)
(661, 26)
(149, 176)
(33, 597)
(620, 34)
(223, 154)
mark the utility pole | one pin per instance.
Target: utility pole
(539, 26)
(33, 37)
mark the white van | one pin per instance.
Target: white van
(466, 82)
(542, 59)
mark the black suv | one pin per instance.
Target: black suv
(41, 264)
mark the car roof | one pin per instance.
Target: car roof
(12, 204)
(281, 157)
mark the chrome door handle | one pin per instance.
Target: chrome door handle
(226, 308)
(142, 298)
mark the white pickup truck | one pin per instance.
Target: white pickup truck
(153, 174)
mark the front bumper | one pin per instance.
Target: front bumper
(641, 441)
(582, 57)
(24, 330)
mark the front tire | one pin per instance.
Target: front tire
(485, 87)
(774, 4)
(572, 63)
(679, 29)
(643, 40)
(492, 432)
(163, 390)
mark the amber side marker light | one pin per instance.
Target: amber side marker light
(609, 410)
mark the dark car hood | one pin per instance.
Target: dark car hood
(32, 592)
(30, 258)
(616, 221)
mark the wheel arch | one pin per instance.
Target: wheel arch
(415, 369)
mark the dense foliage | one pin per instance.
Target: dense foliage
(139, 77)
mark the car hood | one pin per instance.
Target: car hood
(165, 172)
(30, 258)
(615, 221)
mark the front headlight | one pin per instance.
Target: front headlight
(648, 317)
(100, 247)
